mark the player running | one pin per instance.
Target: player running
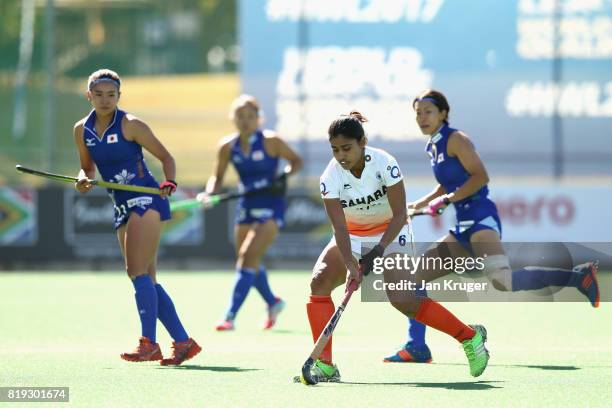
(364, 197)
(255, 154)
(112, 140)
(462, 181)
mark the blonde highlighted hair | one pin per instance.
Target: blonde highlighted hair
(245, 100)
(103, 75)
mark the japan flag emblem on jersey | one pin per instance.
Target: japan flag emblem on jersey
(112, 138)
(257, 155)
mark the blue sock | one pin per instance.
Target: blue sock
(244, 281)
(416, 333)
(168, 316)
(263, 287)
(416, 330)
(146, 301)
(533, 277)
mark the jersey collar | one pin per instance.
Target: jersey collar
(90, 124)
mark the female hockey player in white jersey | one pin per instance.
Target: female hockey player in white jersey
(363, 192)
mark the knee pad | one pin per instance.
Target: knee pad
(497, 269)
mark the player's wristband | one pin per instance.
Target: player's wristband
(169, 183)
(436, 206)
(367, 262)
(447, 200)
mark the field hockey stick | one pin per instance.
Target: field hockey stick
(421, 211)
(99, 183)
(307, 378)
(208, 201)
(415, 213)
(411, 235)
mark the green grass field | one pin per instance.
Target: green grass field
(68, 330)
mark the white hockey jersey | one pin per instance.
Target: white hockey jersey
(364, 200)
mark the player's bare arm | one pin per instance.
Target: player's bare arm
(423, 201)
(279, 148)
(460, 146)
(137, 131)
(214, 183)
(334, 211)
(88, 168)
(397, 201)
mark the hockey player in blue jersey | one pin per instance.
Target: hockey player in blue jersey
(112, 140)
(462, 182)
(255, 154)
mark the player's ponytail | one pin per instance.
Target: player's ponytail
(348, 126)
(359, 116)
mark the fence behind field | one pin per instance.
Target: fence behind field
(52, 225)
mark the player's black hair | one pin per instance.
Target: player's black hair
(349, 126)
